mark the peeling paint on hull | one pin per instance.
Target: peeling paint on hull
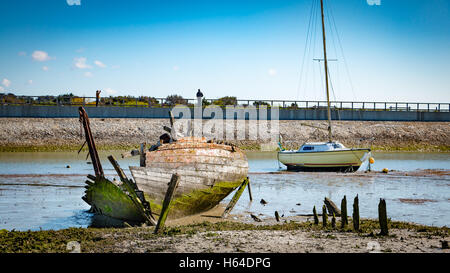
(208, 173)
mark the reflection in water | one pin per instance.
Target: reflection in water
(37, 190)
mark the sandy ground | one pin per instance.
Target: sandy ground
(432, 136)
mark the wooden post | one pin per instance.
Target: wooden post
(324, 216)
(142, 153)
(277, 216)
(356, 213)
(344, 219)
(249, 191)
(332, 208)
(316, 218)
(333, 221)
(235, 198)
(173, 184)
(382, 217)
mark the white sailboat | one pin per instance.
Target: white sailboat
(324, 156)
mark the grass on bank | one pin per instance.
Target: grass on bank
(106, 240)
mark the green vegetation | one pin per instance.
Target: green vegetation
(224, 101)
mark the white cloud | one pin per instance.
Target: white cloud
(22, 53)
(374, 2)
(73, 2)
(176, 68)
(40, 56)
(2, 89)
(45, 68)
(99, 64)
(81, 63)
(110, 91)
(29, 82)
(115, 66)
(88, 74)
(272, 72)
(6, 82)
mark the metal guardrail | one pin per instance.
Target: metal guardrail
(287, 104)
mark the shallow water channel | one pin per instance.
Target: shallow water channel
(43, 190)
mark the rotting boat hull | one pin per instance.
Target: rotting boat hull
(208, 173)
(109, 199)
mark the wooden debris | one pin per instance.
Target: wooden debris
(277, 216)
(263, 202)
(235, 198)
(249, 191)
(324, 216)
(131, 188)
(173, 184)
(332, 208)
(90, 176)
(130, 154)
(167, 129)
(316, 218)
(356, 214)
(255, 218)
(344, 218)
(84, 120)
(382, 217)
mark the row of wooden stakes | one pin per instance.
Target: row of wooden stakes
(334, 211)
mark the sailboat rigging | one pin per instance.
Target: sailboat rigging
(324, 156)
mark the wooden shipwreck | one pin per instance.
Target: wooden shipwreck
(208, 171)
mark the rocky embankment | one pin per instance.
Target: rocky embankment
(50, 134)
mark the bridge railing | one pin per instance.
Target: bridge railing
(163, 102)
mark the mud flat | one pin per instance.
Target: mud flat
(292, 235)
(53, 134)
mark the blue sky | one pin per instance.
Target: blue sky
(254, 49)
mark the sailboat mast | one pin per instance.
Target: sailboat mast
(326, 73)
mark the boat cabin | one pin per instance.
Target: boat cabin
(320, 147)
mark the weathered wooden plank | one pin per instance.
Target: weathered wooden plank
(131, 188)
(235, 198)
(194, 158)
(332, 208)
(250, 192)
(84, 120)
(92, 177)
(194, 176)
(166, 204)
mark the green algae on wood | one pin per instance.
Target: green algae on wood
(235, 198)
(173, 184)
(108, 199)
